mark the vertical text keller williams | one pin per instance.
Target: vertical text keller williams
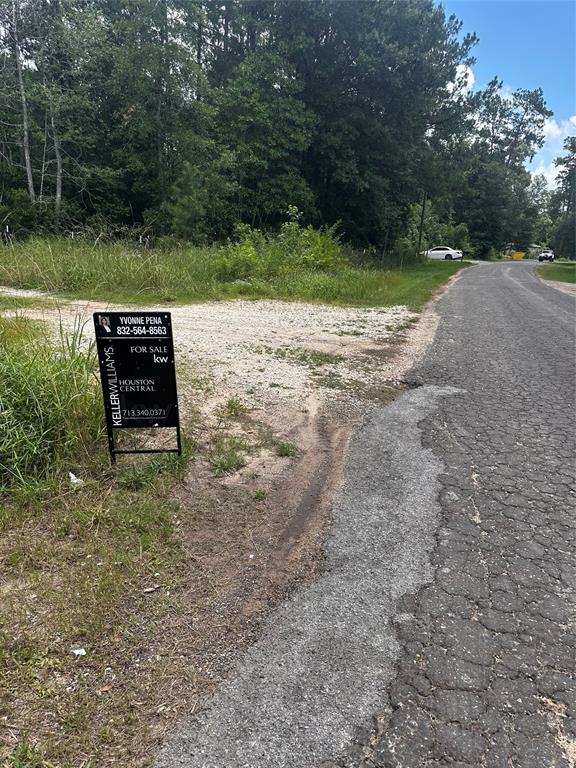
(112, 378)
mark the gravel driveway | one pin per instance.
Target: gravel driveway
(441, 631)
(266, 351)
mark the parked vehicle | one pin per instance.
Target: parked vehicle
(546, 255)
(443, 252)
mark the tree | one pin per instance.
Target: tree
(510, 127)
(15, 33)
(492, 193)
(196, 115)
(203, 202)
(262, 120)
(563, 202)
(539, 198)
(376, 86)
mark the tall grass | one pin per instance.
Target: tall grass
(51, 412)
(250, 269)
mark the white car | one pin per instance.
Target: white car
(442, 252)
(546, 255)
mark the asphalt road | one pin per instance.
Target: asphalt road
(442, 631)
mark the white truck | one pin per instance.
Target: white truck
(546, 255)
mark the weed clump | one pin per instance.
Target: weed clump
(234, 407)
(141, 475)
(286, 449)
(311, 358)
(51, 410)
(25, 755)
(227, 455)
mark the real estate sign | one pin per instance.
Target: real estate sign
(136, 357)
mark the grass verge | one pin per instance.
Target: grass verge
(86, 566)
(107, 624)
(121, 273)
(563, 272)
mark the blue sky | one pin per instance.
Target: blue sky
(528, 44)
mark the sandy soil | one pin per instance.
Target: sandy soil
(250, 348)
(565, 287)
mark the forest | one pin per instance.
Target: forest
(167, 121)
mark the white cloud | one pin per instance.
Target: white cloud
(506, 91)
(552, 129)
(464, 81)
(548, 171)
(464, 71)
(555, 131)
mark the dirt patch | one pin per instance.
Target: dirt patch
(565, 287)
(249, 539)
(555, 713)
(300, 496)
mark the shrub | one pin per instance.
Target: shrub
(240, 261)
(256, 255)
(309, 248)
(405, 252)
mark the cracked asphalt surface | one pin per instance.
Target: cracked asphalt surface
(442, 631)
(486, 675)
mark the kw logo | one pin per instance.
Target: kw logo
(160, 359)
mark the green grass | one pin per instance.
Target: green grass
(77, 563)
(141, 475)
(121, 273)
(19, 331)
(563, 272)
(24, 302)
(27, 756)
(51, 411)
(76, 559)
(286, 449)
(226, 455)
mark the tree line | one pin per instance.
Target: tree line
(185, 118)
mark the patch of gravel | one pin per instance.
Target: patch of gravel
(236, 343)
(256, 350)
(23, 293)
